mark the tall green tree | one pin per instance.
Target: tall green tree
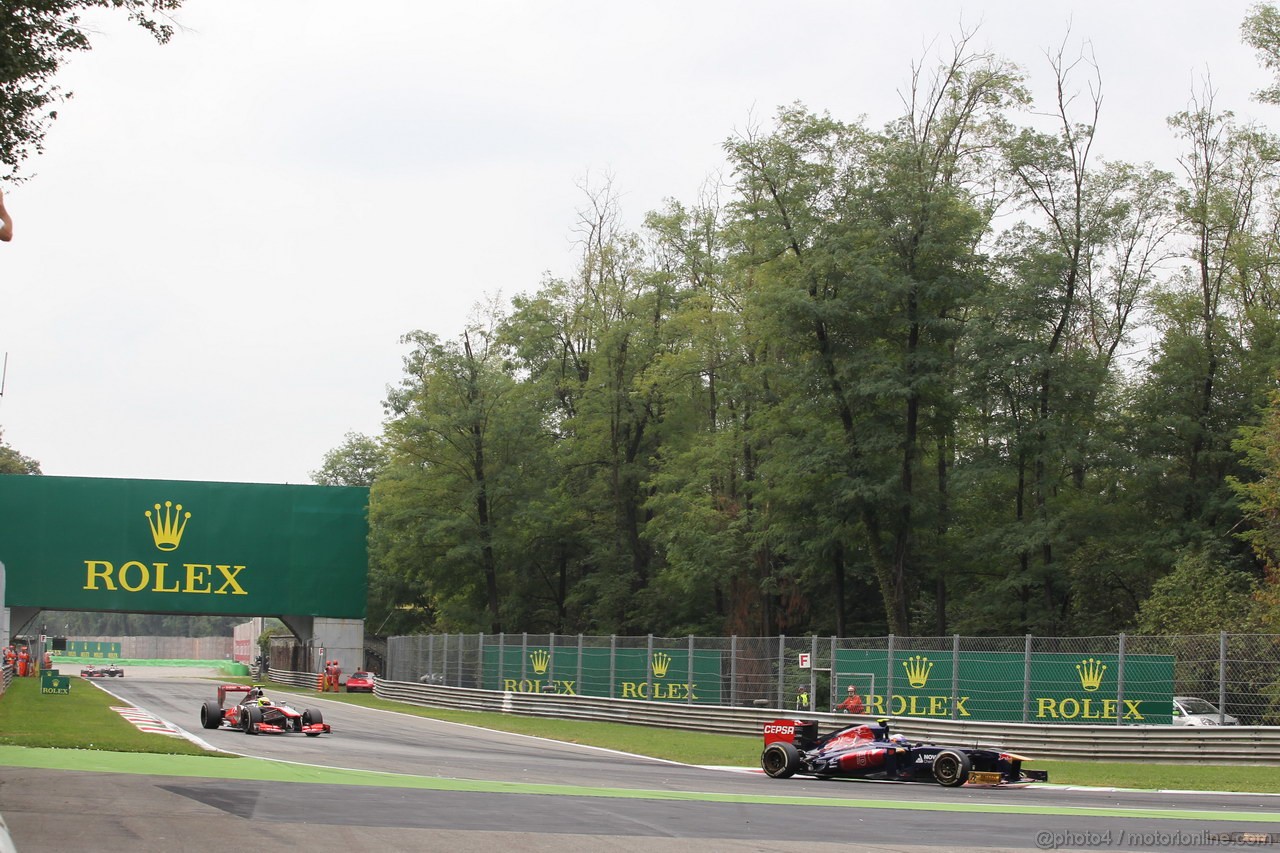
(1042, 350)
(355, 462)
(1213, 363)
(876, 235)
(1259, 494)
(588, 341)
(37, 37)
(13, 462)
(456, 445)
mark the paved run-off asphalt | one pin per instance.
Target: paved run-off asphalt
(457, 788)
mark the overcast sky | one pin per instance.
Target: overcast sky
(226, 236)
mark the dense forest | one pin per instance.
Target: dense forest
(953, 374)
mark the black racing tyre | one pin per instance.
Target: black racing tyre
(311, 717)
(951, 768)
(252, 715)
(780, 760)
(210, 714)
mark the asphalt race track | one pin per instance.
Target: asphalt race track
(385, 781)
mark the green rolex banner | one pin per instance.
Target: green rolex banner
(92, 649)
(1061, 688)
(631, 674)
(54, 684)
(169, 546)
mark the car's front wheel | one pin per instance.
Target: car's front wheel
(951, 768)
(780, 760)
(252, 715)
(310, 718)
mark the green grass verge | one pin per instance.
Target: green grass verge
(81, 719)
(84, 720)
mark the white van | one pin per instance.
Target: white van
(1193, 711)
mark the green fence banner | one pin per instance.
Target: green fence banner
(1045, 687)
(632, 674)
(91, 649)
(169, 546)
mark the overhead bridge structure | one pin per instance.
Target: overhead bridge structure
(202, 548)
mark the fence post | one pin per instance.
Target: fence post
(613, 664)
(524, 657)
(688, 692)
(1026, 679)
(1222, 677)
(733, 670)
(1120, 684)
(888, 679)
(782, 671)
(648, 670)
(444, 653)
(813, 674)
(579, 661)
(462, 642)
(502, 648)
(955, 676)
(551, 660)
(431, 655)
(831, 680)
(480, 660)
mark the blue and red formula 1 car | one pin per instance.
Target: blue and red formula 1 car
(870, 752)
(256, 714)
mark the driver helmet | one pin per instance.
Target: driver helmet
(263, 700)
(898, 738)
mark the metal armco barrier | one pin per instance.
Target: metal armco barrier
(1155, 744)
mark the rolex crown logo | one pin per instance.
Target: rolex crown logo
(661, 663)
(540, 658)
(918, 668)
(167, 526)
(1091, 673)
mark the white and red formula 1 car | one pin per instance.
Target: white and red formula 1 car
(256, 714)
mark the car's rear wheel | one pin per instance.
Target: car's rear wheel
(252, 715)
(780, 760)
(951, 768)
(211, 714)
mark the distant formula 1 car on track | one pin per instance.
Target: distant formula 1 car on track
(256, 714)
(864, 751)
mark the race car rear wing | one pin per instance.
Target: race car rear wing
(224, 689)
(798, 732)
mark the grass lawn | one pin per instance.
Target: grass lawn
(81, 719)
